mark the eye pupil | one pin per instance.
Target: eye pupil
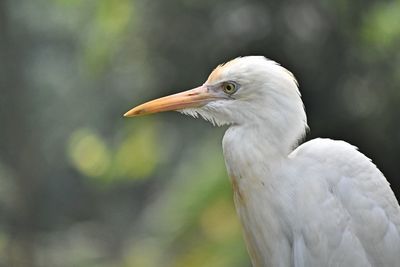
(229, 88)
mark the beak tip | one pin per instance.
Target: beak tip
(128, 114)
(134, 112)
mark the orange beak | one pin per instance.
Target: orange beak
(189, 99)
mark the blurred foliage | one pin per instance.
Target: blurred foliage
(382, 27)
(81, 186)
(135, 157)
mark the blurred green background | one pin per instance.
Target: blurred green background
(81, 186)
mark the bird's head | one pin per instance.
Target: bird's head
(245, 90)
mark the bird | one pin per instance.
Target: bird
(315, 203)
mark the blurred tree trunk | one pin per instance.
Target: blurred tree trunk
(17, 149)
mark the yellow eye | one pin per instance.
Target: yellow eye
(229, 88)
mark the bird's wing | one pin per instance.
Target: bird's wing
(348, 214)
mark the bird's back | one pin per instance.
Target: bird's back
(345, 212)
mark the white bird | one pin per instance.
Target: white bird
(322, 203)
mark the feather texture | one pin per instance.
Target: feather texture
(321, 204)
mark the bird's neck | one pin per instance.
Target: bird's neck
(255, 152)
(254, 158)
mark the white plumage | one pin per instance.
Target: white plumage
(322, 203)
